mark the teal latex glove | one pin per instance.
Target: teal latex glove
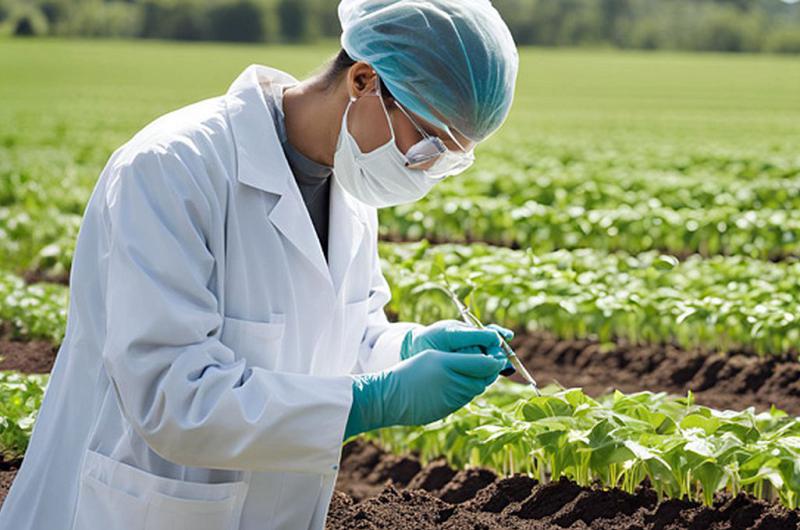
(456, 336)
(507, 335)
(447, 335)
(419, 390)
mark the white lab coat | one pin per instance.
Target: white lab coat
(203, 382)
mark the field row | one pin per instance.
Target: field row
(716, 303)
(37, 239)
(542, 196)
(721, 303)
(36, 173)
(436, 495)
(631, 228)
(20, 398)
(44, 239)
(33, 310)
(598, 183)
(683, 449)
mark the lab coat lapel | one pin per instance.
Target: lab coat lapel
(263, 165)
(346, 229)
(291, 217)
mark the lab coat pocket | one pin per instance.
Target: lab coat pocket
(117, 496)
(103, 507)
(258, 342)
(165, 512)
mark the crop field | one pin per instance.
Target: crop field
(635, 222)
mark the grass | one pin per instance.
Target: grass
(94, 94)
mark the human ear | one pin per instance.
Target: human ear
(361, 79)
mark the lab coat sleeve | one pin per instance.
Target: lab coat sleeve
(380, 346)
(179, 386)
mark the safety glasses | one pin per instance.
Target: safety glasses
(432, 155)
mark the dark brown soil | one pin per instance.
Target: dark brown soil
(733, 380)
(478, 499)
(373, 491)
(36, 276)
(29, 356)
(8, 470)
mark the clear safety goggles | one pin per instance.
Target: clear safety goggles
(431, 154)
(447, 161)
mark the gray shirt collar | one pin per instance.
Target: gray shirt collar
(307, 171)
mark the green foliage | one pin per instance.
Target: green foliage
(579, 142)
(182, 20)
(685, 450)
(103, 19)
(23, 20)
(294, 18)
(582, 161)
(783, 40)
(241, 21)
(20, 398)
(636, 228)
(718, 303)
(42, 238)
(679, 24)
(33, 311)
(548, 197)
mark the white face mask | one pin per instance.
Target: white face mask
(378, 178)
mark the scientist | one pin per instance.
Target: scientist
(225, 327)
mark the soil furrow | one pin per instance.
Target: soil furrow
(731, 380)
(440, 497)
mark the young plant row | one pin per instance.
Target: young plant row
(552, 183)
(33, 311)
(683, 449)
(627, 158)
(638, 227)
(37, 238)
(44, 239)
(718, 303)
(679, 199)
(20, 398)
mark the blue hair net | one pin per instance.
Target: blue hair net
(452, 62)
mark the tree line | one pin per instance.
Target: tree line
(708, 25)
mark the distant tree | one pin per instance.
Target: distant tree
(783, 40)
(328, 18)
(55, 10)
(294, 18)
(720, 25)
(26, 20)
(184, 20)
(728, 30)
(241, 21)
(741, 5)
(613, 14)
(518, 16)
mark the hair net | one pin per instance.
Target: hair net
(452, 57)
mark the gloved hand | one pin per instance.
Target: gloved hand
(419, 390)
(456, 336)
(507, 335)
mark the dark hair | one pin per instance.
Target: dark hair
(338, 65)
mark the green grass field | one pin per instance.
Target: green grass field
(89, 96)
